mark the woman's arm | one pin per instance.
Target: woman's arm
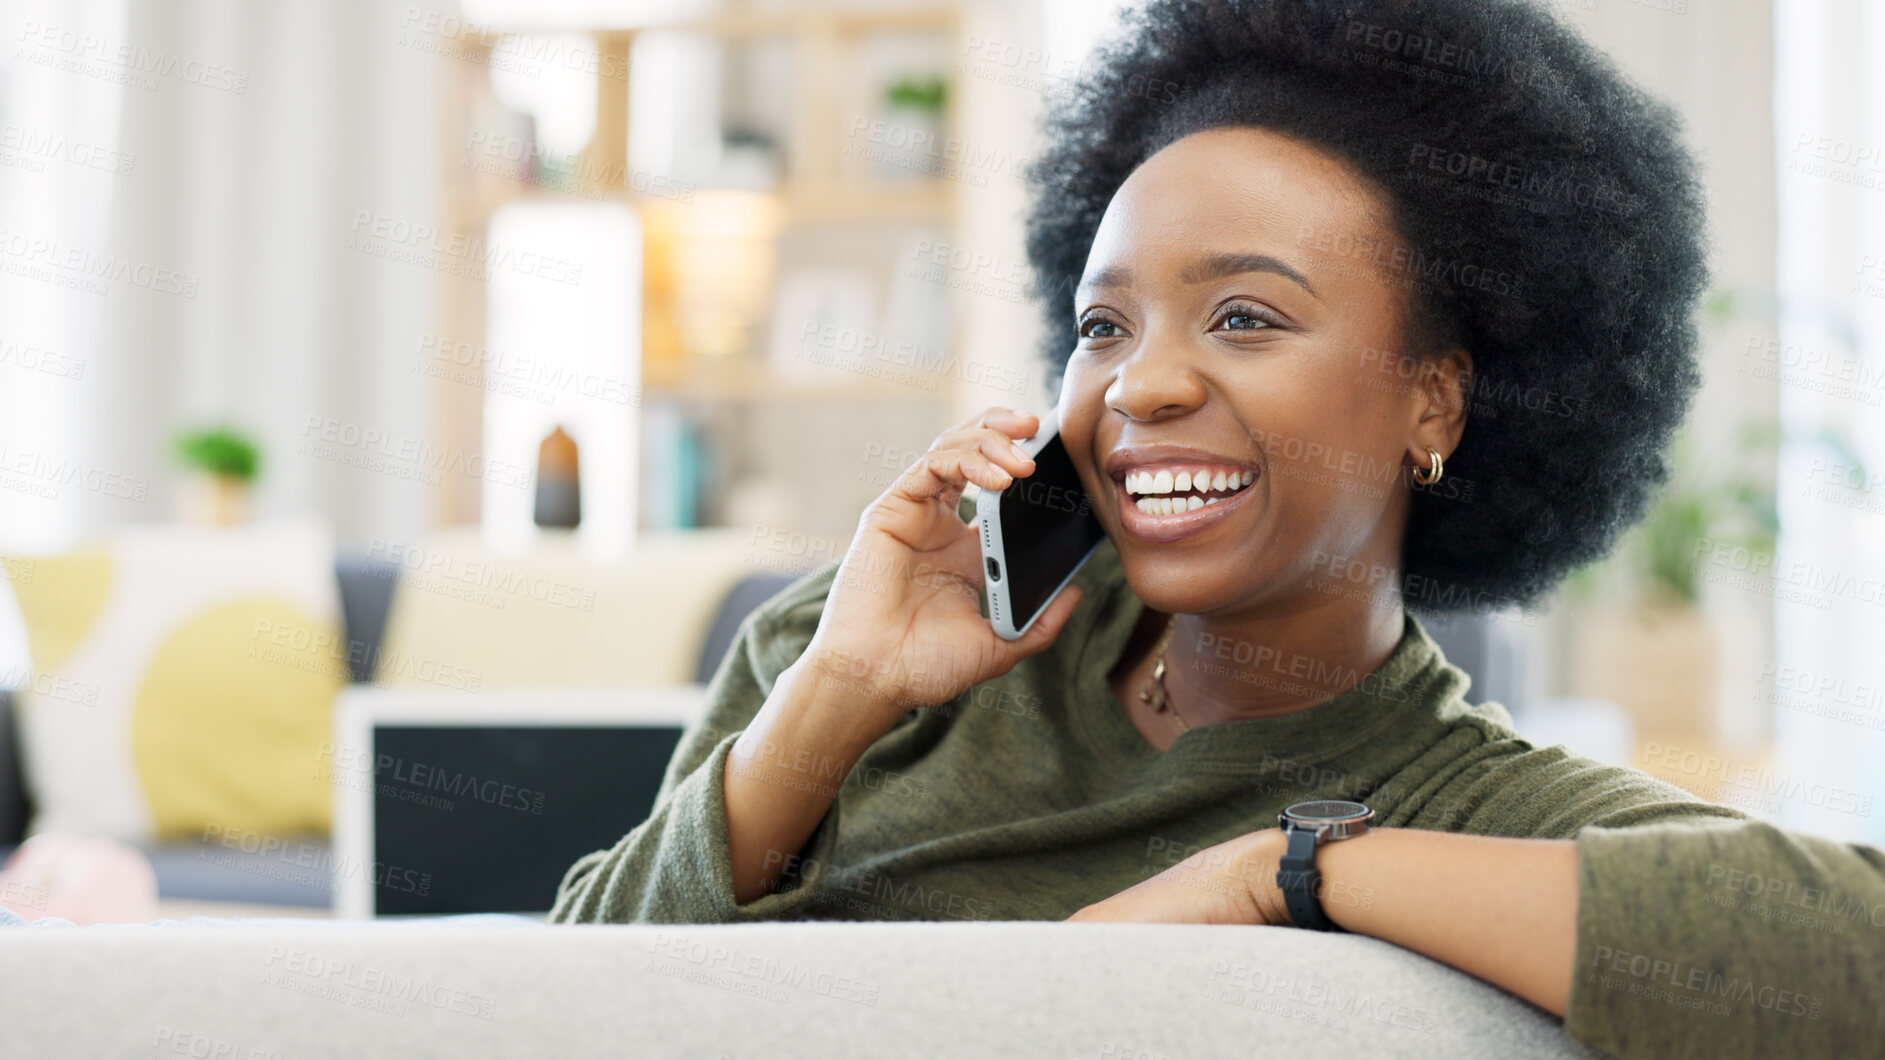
(748, 789)
(894, 625)
(784, 770)
(1705, 938)
(676, 866)
(1504, 910)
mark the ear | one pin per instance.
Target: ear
(1443, 388)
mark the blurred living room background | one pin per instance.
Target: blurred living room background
(372, 370)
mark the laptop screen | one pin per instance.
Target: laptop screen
(488, 818)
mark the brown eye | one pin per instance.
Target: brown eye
(1245, 318)
(1091, 328)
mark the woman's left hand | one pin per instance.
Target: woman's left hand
(1233, 882)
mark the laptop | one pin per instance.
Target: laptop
(449, 803)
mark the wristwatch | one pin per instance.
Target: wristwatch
(1308, 825)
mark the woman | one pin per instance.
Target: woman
(1401, 292)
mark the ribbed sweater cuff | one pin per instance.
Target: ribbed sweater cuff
(699, 812)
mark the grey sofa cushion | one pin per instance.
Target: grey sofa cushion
(208, 872)
(748, 594)
(212, 872)
(14, 809)
(366, 597)
(503, 988)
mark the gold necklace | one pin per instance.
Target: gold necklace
(1153, 691)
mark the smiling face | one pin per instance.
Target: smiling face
(1221, 329)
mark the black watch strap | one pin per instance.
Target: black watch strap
(1300, 880)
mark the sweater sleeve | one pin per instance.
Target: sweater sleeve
(1701, 932)
(1727, 939)
(674, 867)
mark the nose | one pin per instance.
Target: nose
(1155, 383)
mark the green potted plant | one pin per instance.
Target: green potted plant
(1644, 639)
(222, 465)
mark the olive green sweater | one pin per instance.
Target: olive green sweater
(1032, 795)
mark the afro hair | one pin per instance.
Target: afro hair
(1551, 223)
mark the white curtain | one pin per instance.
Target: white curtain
(59, 173)
(249, 138)
(59, 169)
(1829, 685)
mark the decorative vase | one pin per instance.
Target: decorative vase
(559, 482)
(210, 498)
(1657, 660)
(912, 147)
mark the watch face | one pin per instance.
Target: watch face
(1327, 810)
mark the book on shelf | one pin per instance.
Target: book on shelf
(674, 459)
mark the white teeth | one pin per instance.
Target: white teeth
(1172, 505)
(1159, 485)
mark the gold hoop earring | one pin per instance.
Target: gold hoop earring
(1432, 474)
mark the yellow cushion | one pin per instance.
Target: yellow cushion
(64, 602)
(225, 728)
(183, 681)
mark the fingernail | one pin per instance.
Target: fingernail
(1020, 452)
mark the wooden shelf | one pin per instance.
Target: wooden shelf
(743, 381)
(928, 200)
(759, 22)
(823, 186)
(917, 201)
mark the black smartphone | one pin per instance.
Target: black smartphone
(1035, 534)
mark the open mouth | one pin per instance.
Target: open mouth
(1170, 491)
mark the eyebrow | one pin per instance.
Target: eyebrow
(1214, 267)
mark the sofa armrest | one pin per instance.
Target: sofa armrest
(500, 987)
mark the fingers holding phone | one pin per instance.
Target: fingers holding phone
(1035, 536)
(984, 449)
(907, 595)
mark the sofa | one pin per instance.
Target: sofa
(511, 987)
(470, 986)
